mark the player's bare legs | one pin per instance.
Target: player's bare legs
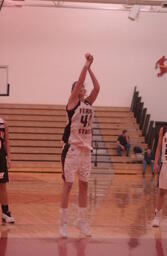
(161, 196)
(6, 215)
(82, 222)
(83, 189)
(3, 194)
(65, 194)
(158, 210)
(63, 210)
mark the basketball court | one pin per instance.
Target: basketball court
(120, 211)
(42, 49)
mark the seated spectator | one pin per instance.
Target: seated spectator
(148, 160)
(123, 143)
(137, 150)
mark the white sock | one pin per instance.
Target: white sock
(63, 215)
(158, 213)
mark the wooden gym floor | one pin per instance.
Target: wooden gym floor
(120, 210)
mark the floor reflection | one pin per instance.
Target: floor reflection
(159, 242)
(83, 247)
(121, 209)
(3, 241)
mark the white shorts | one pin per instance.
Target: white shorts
(75, 159)
(163, 176)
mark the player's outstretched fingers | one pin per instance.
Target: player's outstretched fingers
(87, 56)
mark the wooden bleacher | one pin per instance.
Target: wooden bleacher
(112, 120)
(35, 133)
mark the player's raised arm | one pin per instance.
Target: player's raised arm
(96, 88)
(73, 100)
(158, 150)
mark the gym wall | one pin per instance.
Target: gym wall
(44, 49)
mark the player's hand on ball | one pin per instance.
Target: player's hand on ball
(89, 59)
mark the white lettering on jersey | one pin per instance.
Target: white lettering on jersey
(81, 126)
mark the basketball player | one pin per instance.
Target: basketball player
(4, 165)
(76, 154)
(161, 147)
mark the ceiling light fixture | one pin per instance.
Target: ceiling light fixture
(134, 12)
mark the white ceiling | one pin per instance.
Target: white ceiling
(54, 3)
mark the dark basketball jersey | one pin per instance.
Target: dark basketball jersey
(79, 128)
(3, 163)
(164, 145)
(2, 134)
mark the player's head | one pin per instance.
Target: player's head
(124, 132)
(82, 92)
(148, 150)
